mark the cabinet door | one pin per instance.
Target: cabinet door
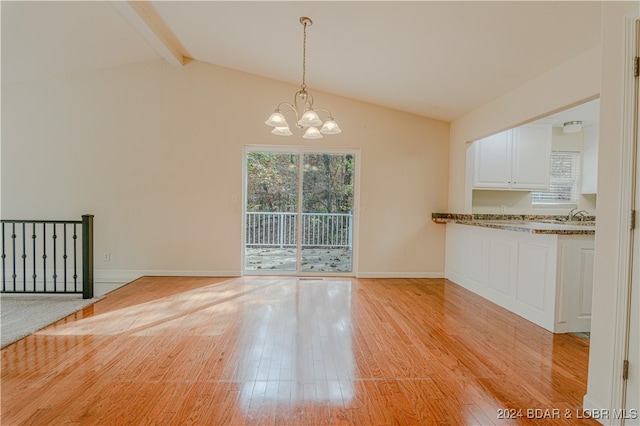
(531, 157)
(492, 162)
(575, 284)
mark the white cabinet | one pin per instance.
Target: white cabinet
(590, 159)
(518, 159)
(531, 157)
(545, 278)
(575, 284)
(492, 162)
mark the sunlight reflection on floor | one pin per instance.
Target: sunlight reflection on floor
(307, 358)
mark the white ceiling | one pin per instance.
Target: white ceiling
(435, 59)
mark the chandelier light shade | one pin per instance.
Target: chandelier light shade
(306, 116)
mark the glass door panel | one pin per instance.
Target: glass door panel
(271, 211)
(327, 212)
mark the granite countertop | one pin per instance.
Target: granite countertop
(534, 224)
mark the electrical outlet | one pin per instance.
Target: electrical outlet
(106, 256)
(503, 209)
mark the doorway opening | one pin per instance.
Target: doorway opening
(299, 209)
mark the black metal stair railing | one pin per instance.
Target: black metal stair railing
(49, 262)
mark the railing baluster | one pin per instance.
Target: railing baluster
(272, 229)
(295, 229)
(13, 255)
(260, 228)
(324, 228)
(268, 229)
(306, 231)
(315, 230)
(248, 229)
(64, 256)
(55, 269)
(75, 258)
(285, 230)
(33, 237)
(4, 263)
(44, 256)
(24, 256)
(350, 233)
(342, 233)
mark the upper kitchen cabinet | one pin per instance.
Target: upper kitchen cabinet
(517, 159)
(590, 159)
(492, 162)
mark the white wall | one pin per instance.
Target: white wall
(155, 152)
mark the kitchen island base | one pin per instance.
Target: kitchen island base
(544, 278)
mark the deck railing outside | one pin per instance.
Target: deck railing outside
(280, 229)
(44, 256)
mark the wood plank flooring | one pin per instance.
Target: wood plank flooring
(282, 350)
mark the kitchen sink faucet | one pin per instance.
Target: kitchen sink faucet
(580, 213)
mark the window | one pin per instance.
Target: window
(564, 180)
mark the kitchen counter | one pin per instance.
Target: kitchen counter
(534, 224)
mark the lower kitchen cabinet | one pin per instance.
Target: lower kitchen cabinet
(545, 278)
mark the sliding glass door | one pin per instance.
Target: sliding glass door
(299, 212)
(327, 212)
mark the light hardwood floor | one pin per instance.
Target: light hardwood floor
(281, 350)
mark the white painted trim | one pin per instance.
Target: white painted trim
(400, 275)
(121, 276)
(624, 234)
(135, 13)
(128, 275)
(591, 406)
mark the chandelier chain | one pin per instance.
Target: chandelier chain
(304, 56)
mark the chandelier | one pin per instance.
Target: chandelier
(307, 117)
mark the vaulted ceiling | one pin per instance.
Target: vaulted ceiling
(435, 59)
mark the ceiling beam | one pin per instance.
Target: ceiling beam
(142, 16)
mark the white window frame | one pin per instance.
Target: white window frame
(545, 198)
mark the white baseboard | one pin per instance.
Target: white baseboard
(128, 275)
(122, 276)
(400, 275)
(590, 406)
